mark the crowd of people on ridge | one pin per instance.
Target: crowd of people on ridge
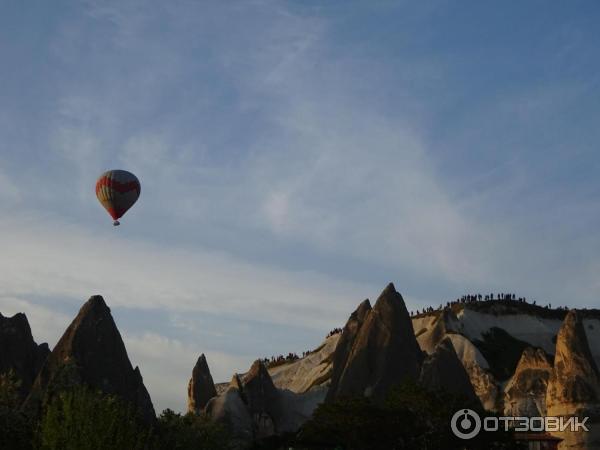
(334, 331)
(290, 357)
(469, 298)
(472, 298)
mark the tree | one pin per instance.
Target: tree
(82, 419)
(190, 431)
(15, 428)
(410, 418)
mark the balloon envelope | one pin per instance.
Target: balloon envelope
(117, 191)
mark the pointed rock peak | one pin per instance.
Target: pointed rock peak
(572, 342)
(19, 352)
(18, 319)
(533, 358)
(17, 324)
(389, 291)
(93, 346)
(373, 353)
(389, 288)
(258, 370)
(236, 382)
(201, 387)
(95, 304)
(443, 370)
(201, 363)
(572, 318)
(389, 299)
(262, 398)
(362, 310)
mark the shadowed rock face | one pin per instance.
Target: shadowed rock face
(19, 352)
(574, 386)
(252, 406)
(442, 370)
(91, 352)
(201, 387)
(263, 400)
(525, 392)
(377, 349)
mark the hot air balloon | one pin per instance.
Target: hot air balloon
(117, 191)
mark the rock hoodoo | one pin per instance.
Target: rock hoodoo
(18, 351)
(442, 370)
(525, 392)
(377, 349)
(91, 352)
(574, 386)
(251, 406)
(201, 387)
(263, 400)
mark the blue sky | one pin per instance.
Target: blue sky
(294, 158)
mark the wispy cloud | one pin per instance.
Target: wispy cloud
(293, 160)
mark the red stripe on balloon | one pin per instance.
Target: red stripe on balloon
(118, 186)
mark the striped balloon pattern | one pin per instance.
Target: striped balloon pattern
(117, 191)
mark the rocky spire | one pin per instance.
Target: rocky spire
(91, 352)
(575, 378)
(263, 399)
(18, 351)
(376, 350)
(442, 370)
(574, 386)
(251, 406)
(525, 392)
(201, 387)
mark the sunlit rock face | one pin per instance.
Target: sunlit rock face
(525, 392)
(574, 385)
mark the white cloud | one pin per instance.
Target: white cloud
(166, 365)
(43, 257)
(46, 324)
(9, 191)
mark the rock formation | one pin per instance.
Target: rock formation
(18, 351)
(377, 349)
(201, 387)
(442, 370)
(91, 352)
(525, 392)
(485, 385)
(252, 406)
(574, 386)
(263, 400)
(431, 330)
(308, 373)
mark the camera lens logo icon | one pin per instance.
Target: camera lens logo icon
(465, 424)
